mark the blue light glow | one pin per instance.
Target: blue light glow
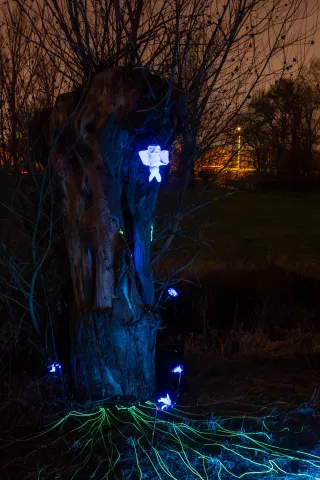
(154, 158)
(172, 292)
(166, 402)
(54, 367)
(178, 369)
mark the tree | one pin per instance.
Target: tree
(132, 67)
(109, 209)
(282, 127)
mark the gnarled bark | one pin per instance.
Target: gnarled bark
(109, 208)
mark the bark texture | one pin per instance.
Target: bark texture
(109, 208)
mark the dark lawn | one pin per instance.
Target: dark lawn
(251, 405)
(245, 230)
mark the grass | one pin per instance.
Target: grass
(248, 230)
(238, 342)
(233, 436)
(269, 227)
(114, 442)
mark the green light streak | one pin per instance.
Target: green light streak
(110, 439)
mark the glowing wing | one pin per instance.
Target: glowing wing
(144, 157)
(164, 157)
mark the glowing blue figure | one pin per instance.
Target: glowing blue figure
(154, 158)
(172, 292)
(54, 367)
(166, 401)
(178, 369)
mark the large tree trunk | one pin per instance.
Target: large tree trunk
(109, 209)
(114, 354)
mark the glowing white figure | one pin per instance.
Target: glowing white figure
(154, 158)
(178, 369)
(53, 368)
(172, 292)
(166, 401)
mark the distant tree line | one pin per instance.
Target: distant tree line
(281, 128)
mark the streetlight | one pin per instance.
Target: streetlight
(239, 145)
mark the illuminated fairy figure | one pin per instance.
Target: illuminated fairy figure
(154, 158)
